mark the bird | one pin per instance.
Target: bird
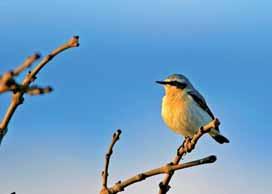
(184, 110)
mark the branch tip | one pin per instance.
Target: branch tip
(74, 41)
(105, 173)
(76, 37)
(119, 131)
(37, 55)
(209, 159)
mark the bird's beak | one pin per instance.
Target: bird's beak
(161, 82)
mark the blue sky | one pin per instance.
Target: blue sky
(56, 143)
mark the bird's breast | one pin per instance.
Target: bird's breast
(182, 115)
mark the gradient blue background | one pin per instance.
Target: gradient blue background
(56, 143)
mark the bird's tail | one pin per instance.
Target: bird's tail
(218, 137)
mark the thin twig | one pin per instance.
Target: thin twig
(73, 42)
(187, 146)
(105, 173)
(20, 89)
(121, 185)
(26, 64)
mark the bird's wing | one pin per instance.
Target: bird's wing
(198, 98)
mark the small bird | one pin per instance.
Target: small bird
(184, 110)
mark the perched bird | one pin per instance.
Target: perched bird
(184, 110)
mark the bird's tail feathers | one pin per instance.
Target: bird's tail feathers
(218, 137)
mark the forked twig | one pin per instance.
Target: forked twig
(7, 80)
(187, 146)
(8, 83)
(168, 169)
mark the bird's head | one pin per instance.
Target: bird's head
(175, 83)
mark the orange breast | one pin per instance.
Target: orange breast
(176, 113)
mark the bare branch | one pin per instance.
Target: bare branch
(121, 185)
(7, 82)
(26, 64)
(169, 169)
(187, 146)
(73, 42)
(36, 90)
(105, 173)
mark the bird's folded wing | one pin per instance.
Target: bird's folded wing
(201, 102)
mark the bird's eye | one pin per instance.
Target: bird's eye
(178, 84)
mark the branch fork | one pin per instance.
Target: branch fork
(9, 84)
(168, 169)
